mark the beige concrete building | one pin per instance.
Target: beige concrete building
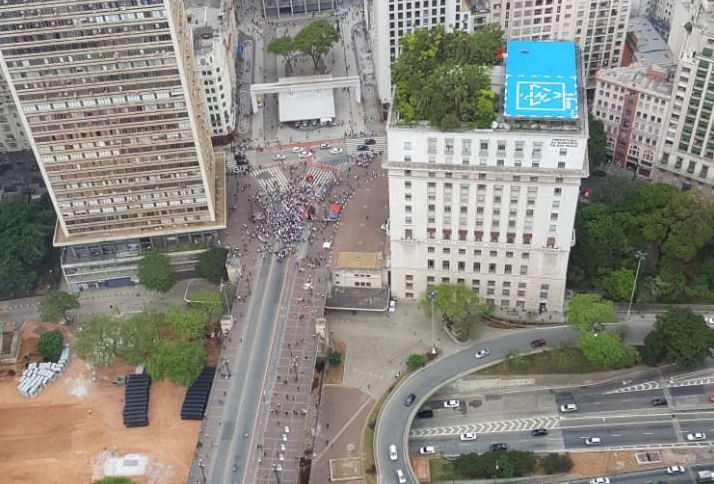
(108, 96)
(12, 134)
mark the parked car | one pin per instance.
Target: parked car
(676, 470)
(711, 397)
(599, 173)
(362, 148)
(278, 157)
(427, 450)
(482, 353)
(392, 305)
(409, 400)
(658, 402)
(693, 437)
(369, 141)
(393, 453)
(497, 447)
(592, 441)
(538, 343)
(452, 404)
(336, 151)
(468, 436)
(539, 432)
(568, 408)
(425, 413)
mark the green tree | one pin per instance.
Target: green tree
(680, 336)
(212, 265)
(586, 312)
(607, 350)
(334, 357)
(619, 283)
(140, 334)
(50, 345)
(515, 359)
(316, 39)
(26, 228)
(597, 142)
(286, 48)
(98, 341)
(54, 304)
(155, 272)
(188, 324)
(415, 361)
(556, 463)
(209, 304)
(512, 463)
(178, 361)
(458, 304)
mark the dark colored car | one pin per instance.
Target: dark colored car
(658, 402)
(369, 141)
(425, 413)
(362, 148)
(498, 446)
(599, 173)
(409, 400)
(538, 343)
(539, 432)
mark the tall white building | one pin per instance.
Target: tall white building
(12, 134)
(597, 26)
(108, 96)
(494, 208)
(632, 103)
(686, 152)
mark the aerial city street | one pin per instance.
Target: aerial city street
(374, 241)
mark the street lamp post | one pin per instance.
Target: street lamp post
(277, 475)
(431, 296)
(495, 474)
(640, 257)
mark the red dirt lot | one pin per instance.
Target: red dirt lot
(60, 436)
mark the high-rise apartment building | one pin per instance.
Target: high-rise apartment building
(12, 134)
(632, 103)
(107, 93)
(494, 208)
(686, 151)
(597, 26)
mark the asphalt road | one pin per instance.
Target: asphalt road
(655, 476)
(244, 414)
(393, 424)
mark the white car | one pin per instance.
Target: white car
(278, 157)
(336, 151)
(696, 436)
(468, 436)
(676, 470)
(600, 480)
(297, 149)
(427, 450)
(452, 404)
(482, 353)
(393, 452)
(401, 477)
(593, 441)
(392, 305)
(568, 407)
(324, 146)
(304, 154)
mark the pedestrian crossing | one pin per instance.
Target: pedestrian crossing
(518, 425)
(274, 178)
(380, 144)
(656, 385)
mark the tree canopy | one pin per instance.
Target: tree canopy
(209, 304)
(588, 312)
(680, 336)
(178, 361)
(315, 40)
(50, 345)
(618, 284)
(140, 333)
(155, 272)
(458, 304)
(98, 341)
(54, 304)
(597, 142)
(442, 77)
(212, 265)
(286, 48)
(607, 350)
(26, 228)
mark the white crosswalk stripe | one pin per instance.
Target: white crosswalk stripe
(320, 178)
(518, 425)
(271, 178)
(655, 385)
(380, 144)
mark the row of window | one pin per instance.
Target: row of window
(490, 289)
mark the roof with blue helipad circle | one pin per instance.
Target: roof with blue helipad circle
(541, 80)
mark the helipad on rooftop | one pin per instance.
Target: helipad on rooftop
(541, 80)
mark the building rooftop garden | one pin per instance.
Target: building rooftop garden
(443, 77)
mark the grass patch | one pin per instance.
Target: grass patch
(441, 469)
(335, 374)
(555, 361)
